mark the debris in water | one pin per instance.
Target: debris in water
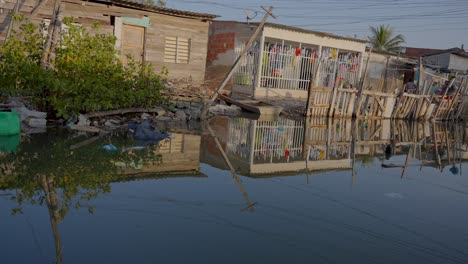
(394, 195)
(109, 147)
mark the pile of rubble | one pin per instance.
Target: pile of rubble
(174, 112)
(185, 89)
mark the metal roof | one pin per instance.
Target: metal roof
(161, 10)
(456, 51)
(307, 31)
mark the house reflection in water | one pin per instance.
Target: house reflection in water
(258, 147)
(179, 155)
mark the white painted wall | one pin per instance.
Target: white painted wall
(313, 39)
(458, 63)
(440, 59)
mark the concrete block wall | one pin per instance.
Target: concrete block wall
(220, 43)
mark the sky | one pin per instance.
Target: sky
(438, 24)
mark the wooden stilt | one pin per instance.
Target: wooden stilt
(311, 86)
(357, 106)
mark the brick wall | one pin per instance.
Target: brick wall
(218, 44)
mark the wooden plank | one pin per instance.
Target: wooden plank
(38, 7)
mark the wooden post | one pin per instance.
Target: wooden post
(331, 110)
(312, 85)
(454, 99)
(421, 73)
(443, 98)
(38, 7)
(258, 74)
(354, 126)
(316, 77)
(396, 72)
(236, 63)
(12, 21)
(56, 37)
(54, 30)
(357, 105)
(385, 83)
(462, 104)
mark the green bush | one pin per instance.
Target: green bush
(86, 74)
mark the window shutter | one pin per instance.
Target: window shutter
(183, 50)
(177, 50)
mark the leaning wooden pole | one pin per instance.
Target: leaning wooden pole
(311, 86)
(12, 21)
(357, 104)
(454, 101)
(385, 81)
(53, 33)
(436, 114)
(421, 74)
(463, 99)
(228, 77)
(36, 9)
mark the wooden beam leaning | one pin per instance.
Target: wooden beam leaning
(441, 102)
(38, 7)
(12, 21)
(312, 85)
(228, 77)
(53, 33)
(357, 105)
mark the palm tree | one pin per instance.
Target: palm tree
(383, 38)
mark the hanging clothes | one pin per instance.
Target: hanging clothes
(334, 53)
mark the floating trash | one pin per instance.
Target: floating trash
(394, 195)
(109, 147)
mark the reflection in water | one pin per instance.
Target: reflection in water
(68, 171)
(264, 147)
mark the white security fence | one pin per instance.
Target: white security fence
(291, 66)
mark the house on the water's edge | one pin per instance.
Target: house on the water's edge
(283, 58)
(449, 61)
(397, 68)
(165, 37)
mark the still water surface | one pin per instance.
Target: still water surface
(305, 192)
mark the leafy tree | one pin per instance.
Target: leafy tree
(160, 3)
(383, 38)
(86, 74)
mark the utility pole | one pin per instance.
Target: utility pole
(236, 63)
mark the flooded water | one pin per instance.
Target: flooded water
(315, 191)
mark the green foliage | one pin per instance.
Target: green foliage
(86, 74)
(20, 57)
(160, 3)
(75, 177)
(383, 39)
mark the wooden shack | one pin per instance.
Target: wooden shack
(170, 38)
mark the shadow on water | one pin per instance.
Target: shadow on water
(65, 171)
